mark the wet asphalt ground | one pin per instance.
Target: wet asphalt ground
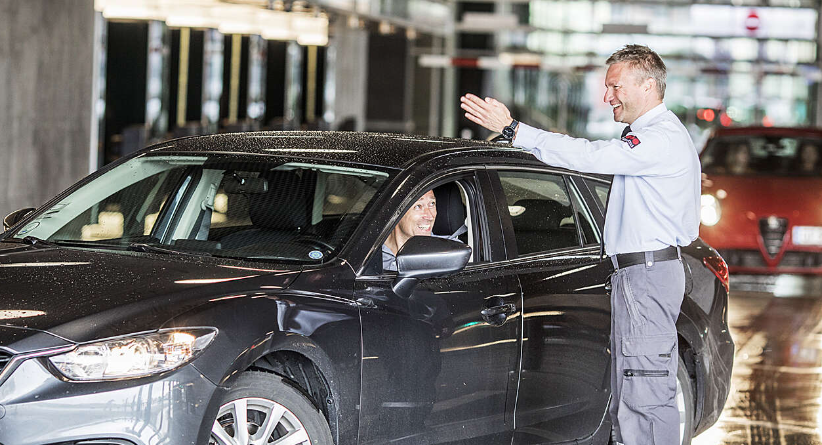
(776, 392)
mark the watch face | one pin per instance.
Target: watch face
(508, 132)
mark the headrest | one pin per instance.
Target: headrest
(540, 214)
(450, 209)
(287, 204)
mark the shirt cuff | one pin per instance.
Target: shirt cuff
(526, 136)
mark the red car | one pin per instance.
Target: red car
(762, 199)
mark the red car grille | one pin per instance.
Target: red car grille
(743, 258)
(773, 233)
(801, 259)
(754, 259)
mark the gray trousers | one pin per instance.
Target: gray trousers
(645, 303)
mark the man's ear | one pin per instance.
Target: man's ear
(649, 84)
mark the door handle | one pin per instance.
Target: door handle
(496, 315)
(504, 309)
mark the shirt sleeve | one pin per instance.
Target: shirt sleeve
(642, 153)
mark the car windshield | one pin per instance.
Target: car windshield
(763, 155)
(264, 208)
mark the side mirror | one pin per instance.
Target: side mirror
(15, 217)
(427, 257)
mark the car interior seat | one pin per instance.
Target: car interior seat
(279, 214)
(538, 228)
(450, 212)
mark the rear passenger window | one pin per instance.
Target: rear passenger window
(541, 211)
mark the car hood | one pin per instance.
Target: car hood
(81, 294)
(753, 197)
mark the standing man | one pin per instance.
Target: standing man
(652, 209)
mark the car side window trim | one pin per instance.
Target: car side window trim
(583, 209)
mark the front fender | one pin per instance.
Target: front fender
(323, 329)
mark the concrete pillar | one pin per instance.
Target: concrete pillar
(387, 107)
(213, 47)
(346, 79)
(450, 108)
(46, 98)
(816, 89)
(293, 86)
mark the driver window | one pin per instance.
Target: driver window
(442, 212)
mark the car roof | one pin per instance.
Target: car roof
(382, 149)
(769, 131)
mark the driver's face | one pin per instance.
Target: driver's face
(419, 219)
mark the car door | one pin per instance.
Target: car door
(553, 243)
(435, 369)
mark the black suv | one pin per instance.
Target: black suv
(230, 289)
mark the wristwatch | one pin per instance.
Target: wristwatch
(509, 131)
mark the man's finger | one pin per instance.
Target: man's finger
(468, 106)
(476, 101)
(474, 119)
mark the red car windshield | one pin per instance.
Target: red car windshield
(763, 155)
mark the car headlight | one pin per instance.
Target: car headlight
(133, 356)
(711, 212)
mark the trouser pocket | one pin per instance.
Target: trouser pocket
(630, 302)
(649, 370)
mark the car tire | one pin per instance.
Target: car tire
(260, 394)
(685, 403)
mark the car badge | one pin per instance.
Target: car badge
(315, 255)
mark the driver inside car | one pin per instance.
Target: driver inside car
(417, 221)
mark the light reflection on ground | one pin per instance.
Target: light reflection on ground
(776, 388)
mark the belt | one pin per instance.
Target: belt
(623, 260)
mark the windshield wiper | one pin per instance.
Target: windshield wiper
(33, 240)
(143, 247)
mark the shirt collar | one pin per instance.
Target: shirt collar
(645, 119)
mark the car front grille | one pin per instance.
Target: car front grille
(807, 260)
(773, 231)
(754, 258)
(743, 258)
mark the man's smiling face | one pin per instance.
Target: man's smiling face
(625, 92)
(419, 219)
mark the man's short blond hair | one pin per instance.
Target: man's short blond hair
(645, 63)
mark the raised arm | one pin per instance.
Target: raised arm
(490, 113)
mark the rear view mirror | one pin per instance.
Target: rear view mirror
(242, 185)
(15, 217)
(427, 257)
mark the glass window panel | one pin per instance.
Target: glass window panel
(541, 211)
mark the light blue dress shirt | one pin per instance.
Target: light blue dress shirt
(655, 196)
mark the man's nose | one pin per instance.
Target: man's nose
(607, 97)
(429, 214)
